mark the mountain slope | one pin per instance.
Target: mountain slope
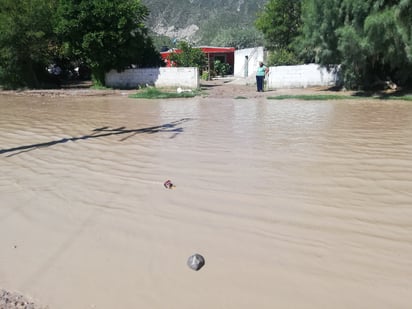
(201, 21)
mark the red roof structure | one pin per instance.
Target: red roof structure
(224, 54)
(217, 50)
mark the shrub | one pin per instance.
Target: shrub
(205, 75)
(221, 68)
(282, 57)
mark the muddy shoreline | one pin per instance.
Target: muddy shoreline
(217, 88)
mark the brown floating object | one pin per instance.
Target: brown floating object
(168, 184)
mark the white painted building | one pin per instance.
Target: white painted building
(247, 61)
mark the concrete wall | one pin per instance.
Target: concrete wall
(247, 67)
(302, 76)
(159, 77)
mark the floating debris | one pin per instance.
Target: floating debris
(9, 300)
(168, 184)
(196, 262)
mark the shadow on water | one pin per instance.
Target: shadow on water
(171, 127)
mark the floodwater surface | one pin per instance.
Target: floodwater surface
(293, 204)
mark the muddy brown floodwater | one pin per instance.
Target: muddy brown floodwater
(293, 204)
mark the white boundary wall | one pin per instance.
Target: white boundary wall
(159, 77)
(302, 76)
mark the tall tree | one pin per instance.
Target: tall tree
(280, 22)
(318, 41)
(365, 37)
(352, 44)
(25, 41)
(404, 22)
(106, 34)
(387, 57)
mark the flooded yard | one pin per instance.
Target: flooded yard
(293, 204)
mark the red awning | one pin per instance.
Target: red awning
(217, 50)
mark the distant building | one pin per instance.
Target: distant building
(224, 54)
(247, 60)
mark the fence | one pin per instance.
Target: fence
(159, 77)
(302, 76)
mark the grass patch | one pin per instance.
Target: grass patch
(99, 87)
(325, 97)
(154, 93)
(240, 98)
(312, 97)
(393, 97)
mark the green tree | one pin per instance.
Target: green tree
(161, 41)
(351, 44)
(387, 52)
(106, 34)
(280, 23)
(26, 40)
(318, 39)
(188, 56)
(282, 57)
(369, 39)
(403, 16)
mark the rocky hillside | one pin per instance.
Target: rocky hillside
(202, 21)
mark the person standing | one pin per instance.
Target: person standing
(260, 76)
